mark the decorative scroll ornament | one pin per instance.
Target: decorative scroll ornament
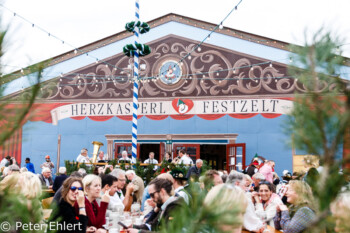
(130, 49)
(143, 27)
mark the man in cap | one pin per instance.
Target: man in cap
(179, 183)
(47, 163)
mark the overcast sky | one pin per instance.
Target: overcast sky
(80, 22)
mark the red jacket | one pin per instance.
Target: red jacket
(95, 213)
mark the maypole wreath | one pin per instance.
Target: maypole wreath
(143, 27)
(130, 49)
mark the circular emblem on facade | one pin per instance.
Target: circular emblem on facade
(170, 72)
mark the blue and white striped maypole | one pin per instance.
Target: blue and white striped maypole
(136, 84)
(136, 50)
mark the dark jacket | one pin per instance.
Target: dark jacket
(59, 181)
(57, 196)
(162, 216)
(193, 171)
(251, 170)
(42, 180)
(66, 213)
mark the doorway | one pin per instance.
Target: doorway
(215, 155)
(145, 149)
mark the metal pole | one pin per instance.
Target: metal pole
(58, 152)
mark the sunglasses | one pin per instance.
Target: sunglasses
(152, 194)
(73, 188)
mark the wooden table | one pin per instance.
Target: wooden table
(48, 191)
(271, 230)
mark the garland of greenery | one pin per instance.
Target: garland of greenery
(130, 49)
(147, 173)
(143, 27)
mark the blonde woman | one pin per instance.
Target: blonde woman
(223, 199)
(95, 213)
(301, 212)
(30, 185)
(26, 184)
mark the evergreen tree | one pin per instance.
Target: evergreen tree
(15, 208)
(321, 117)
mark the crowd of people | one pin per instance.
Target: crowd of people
(257, 195)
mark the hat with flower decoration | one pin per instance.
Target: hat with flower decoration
(178, 174)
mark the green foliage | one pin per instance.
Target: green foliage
(205, 167)
(71, 166)
(199, 217)
(113, 162)
(15, 208)
(321, 116)
(88, 168)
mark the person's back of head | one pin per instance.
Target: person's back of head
(82, 171)
(117, 173)
(209, 177)
(30, 185)
(166, 176)
(76, 174)
(23, 169)
(235, 178)
(258, 176)
(13, 169)
(62, 170)
(228, 202)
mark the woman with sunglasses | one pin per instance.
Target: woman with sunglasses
(72, 192)
(301, 213)
(266, 202)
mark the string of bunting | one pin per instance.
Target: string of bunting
(76, 50)
(220, 25)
